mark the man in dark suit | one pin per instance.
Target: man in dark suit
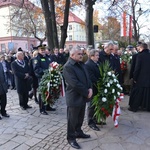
(20, 69)
(115, 63)
(78, 91)
(104, 55)
(94, 74)
(3, 91)
(140, 95)
(58, 57)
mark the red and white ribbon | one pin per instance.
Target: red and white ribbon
(116, 110)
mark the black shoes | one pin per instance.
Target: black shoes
(23, 108)
(28, 107)
(82, 135)
(74, 144)
(6, 115)
(50, 109)
(94, 127)
(44, 113)
(0, 118)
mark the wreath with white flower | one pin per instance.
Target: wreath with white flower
(50, 85)
(109, 90)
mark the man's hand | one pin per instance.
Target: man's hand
(90, 93)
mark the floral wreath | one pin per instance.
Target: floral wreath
(109, 90)
(51, 84)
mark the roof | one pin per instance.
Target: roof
(72, 18)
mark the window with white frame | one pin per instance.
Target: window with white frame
(70, 27)
(70, 37)
(3, 48)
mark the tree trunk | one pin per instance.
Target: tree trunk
(54, 25)
(48, 21)
(89, 23)
(65, 24)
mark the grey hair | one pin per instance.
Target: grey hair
(92, 52)
(74, 50)
(18, 54)
(108, 44)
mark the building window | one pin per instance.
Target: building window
(3, 48)
(70, 37)
(70, 27)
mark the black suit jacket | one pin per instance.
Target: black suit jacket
(94, 73)
(142, 72)
(22, 84)
(133, 62)
(115, 65)
(3, 83)
(77, 83)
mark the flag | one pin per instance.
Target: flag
(126, 25)
(123, 25)
(130, 26)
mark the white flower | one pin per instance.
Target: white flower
(108, 84)
(118, 85)
(130, 57)
(109, 73)
(52, 75)
(114, 97)
(51, 69)
(105, 91)
(121, 88)
(111, 81)
(125, 52)
(118, 93)
(113, 90)
(113, 75)
(115, 80)
(104, 99)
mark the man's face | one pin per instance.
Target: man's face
(42, 51)
(109, 49)
(61, 50)
(56, 51)
(21, 56)
(78, 56)
(95, 57)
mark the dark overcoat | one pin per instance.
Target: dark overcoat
(3, 84)
(22, 85)
(141, 72)
(94, 73)
(77, 83)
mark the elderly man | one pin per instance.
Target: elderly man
(105, 54)
(20, 69)
(94, 73)
(78, 92)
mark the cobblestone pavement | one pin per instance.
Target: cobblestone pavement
(28, 130)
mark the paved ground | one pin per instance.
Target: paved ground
(28, 130)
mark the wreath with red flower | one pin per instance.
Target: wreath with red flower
(51, 84)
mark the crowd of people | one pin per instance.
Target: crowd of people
(23, 73)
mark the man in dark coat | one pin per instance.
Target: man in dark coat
(21, 71)
(104, 55)
(40, 64)
(78, 91)
(115, 63)
(140, 95)
(3, 91)
(94, 74)
(58, 57)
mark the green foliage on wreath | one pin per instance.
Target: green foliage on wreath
(108, 91)
(43, 85)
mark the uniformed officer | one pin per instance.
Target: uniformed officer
(41, 63)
